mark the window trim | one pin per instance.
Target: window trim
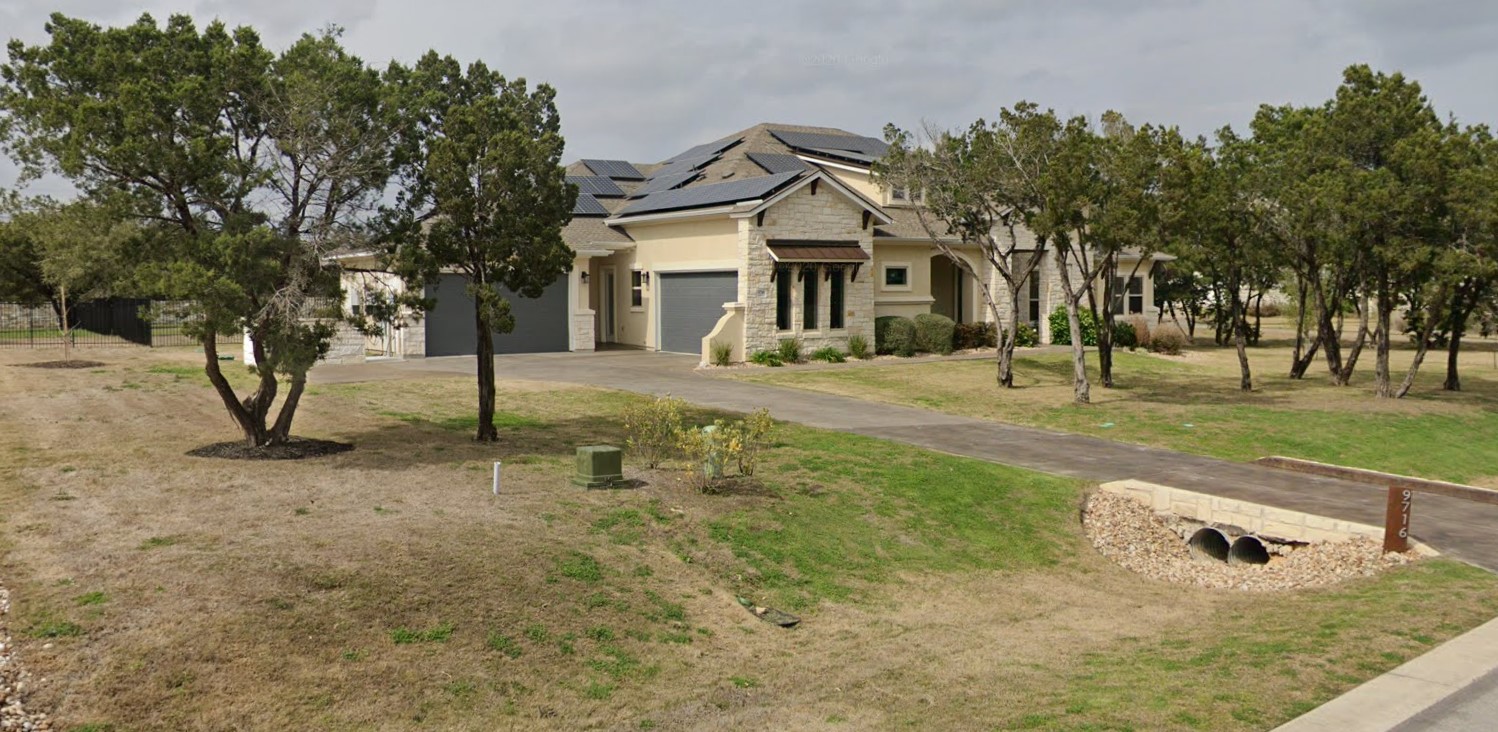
(885, 267)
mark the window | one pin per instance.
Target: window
(636, 289)
(896, 276)
(783, 299)
(898, 194)
(1128, 297)
(1034, 298)
(835, 298)
(809, 298)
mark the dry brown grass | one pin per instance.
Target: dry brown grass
(263, 595)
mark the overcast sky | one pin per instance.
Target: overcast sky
(648, 78)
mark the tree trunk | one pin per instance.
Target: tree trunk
(1083, 392)
(486, 430)
(280, 433)
(254, 432)
(1381, 344)
(1453, 380)
(1301, 360)
(1104, 319)
(1240, 342)
(1344, 377)
(1007, 341)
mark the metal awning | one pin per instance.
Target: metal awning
(817, 251)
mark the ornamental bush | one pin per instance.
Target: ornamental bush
(975, 335)
(894, 334)
(1061, 327)
(652, 428)
(1026, 336)
(933, 333)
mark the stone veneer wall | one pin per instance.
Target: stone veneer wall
(1246, 517)
(826, 216)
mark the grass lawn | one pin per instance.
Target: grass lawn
(1192, 403)
(386, 588)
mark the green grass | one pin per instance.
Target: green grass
(1193, 406)
(465, 422)
(91, 598)
(438, 634)
(504, 644)
(157, 542)
(919, 512)
(581, 567)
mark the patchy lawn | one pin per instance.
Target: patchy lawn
(1192, 403)
(386, 588)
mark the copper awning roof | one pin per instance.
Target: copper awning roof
(817, 251)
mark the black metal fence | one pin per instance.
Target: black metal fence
(112, 322)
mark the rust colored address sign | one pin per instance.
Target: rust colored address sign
(1397, 520)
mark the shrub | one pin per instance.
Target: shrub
(652, 429)
(1169, 341)
(975, 335)
(830, 354)
(1026, 336)
(894, 334)
(722, 353)
(1271, 309)
(1141, 330)
(1124, 335)
(934, 333)
(766, 358)
(1061, 327)
(737, 443)
(858, 347)
(790, 350)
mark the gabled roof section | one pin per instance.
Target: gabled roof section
(822, 176)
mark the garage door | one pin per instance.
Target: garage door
(540, 323)
(691, 303)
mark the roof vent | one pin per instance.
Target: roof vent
(728, 174)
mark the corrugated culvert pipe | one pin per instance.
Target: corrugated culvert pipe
(1209, 543)
(1248, 550)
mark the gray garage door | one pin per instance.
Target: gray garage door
(691, 303)
(540, 323)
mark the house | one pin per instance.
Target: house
(777, 231)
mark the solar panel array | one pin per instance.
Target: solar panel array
(710, 149)
(778, 163)
(596, 185)
(616, 169)
(587, 205)
(824, 143)
(715, 193)
(665, 182)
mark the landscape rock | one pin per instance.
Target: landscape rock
(1133, 535)
(13, 712)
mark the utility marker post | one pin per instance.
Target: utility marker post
(497, 464)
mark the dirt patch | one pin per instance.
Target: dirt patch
(63, 365)
(296, 449)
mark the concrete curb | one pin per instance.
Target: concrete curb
(1389, 700)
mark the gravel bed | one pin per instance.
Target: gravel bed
(14, 681)
(1132, 534)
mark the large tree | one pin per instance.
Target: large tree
(249, 167)
(979, 185)
(483, 194)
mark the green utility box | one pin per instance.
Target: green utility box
(599, 466)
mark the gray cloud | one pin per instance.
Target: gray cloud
(645, 79)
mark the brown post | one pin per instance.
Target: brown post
(1397, 520)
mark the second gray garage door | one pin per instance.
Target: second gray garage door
(540, 323)
(691, 303)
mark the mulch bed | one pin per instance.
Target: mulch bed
(297, 448)
(63, 365)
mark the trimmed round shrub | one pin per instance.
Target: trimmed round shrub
(1124, 335)
(1061, 327)
(1026, 336)
(933, 333)
(1167, 340)
(894, 334)
(975, 335)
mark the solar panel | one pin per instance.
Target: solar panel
(682, 165)
(710, 149)
(596, 185)
(588, 206)
(778, 163)
(665, 183)
(843, 155)
(617, 169)
(708, 195)
(824, 141)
